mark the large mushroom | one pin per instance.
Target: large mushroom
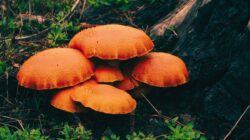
(161, 70)
(112, 42)
(55, 68)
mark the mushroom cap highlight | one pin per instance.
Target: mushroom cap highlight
(55, 68)
(161, 70)
(104, 98)
(127, 84)
(106, 73)
(112, 42)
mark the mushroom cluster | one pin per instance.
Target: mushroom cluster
(89, 71)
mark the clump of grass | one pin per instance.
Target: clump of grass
(33, 134)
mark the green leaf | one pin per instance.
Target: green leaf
(3, 67)
(203, 138)
(175, 119)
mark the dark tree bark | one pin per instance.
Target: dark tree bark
(215, 44)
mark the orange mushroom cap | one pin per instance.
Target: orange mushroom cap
(62, 101)
(55, 68)
(127, 84)
(108, 74)
(161, 70)
(104, 98)
(112, 42)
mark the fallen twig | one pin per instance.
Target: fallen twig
(85, 25)
(17, 120)
(83, 8)
(237, 122)
(40, 19)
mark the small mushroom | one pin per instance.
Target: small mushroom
(105, 73)
(63, 101)
(112, 42)
(55, 68)
(161, 70)
(127, 84)
(103, 98)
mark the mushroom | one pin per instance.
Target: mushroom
(55, 68)
(127, 84)
(63, 101)
(105, 73)
(161, 70)
(103, 98)
(112, 42)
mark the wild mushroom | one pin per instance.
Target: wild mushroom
(112, 42)
(55, 68)
(63, 101)
(161, 70)
(103, 98)
(105, 73)
(127, 84)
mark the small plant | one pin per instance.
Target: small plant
(56, 35)
(59, 33)
(79, 133)
(111, 137)
(140, 136)
(34, 134)
(178, 132)
(7, 26)
(6, 134)
(121, 4)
